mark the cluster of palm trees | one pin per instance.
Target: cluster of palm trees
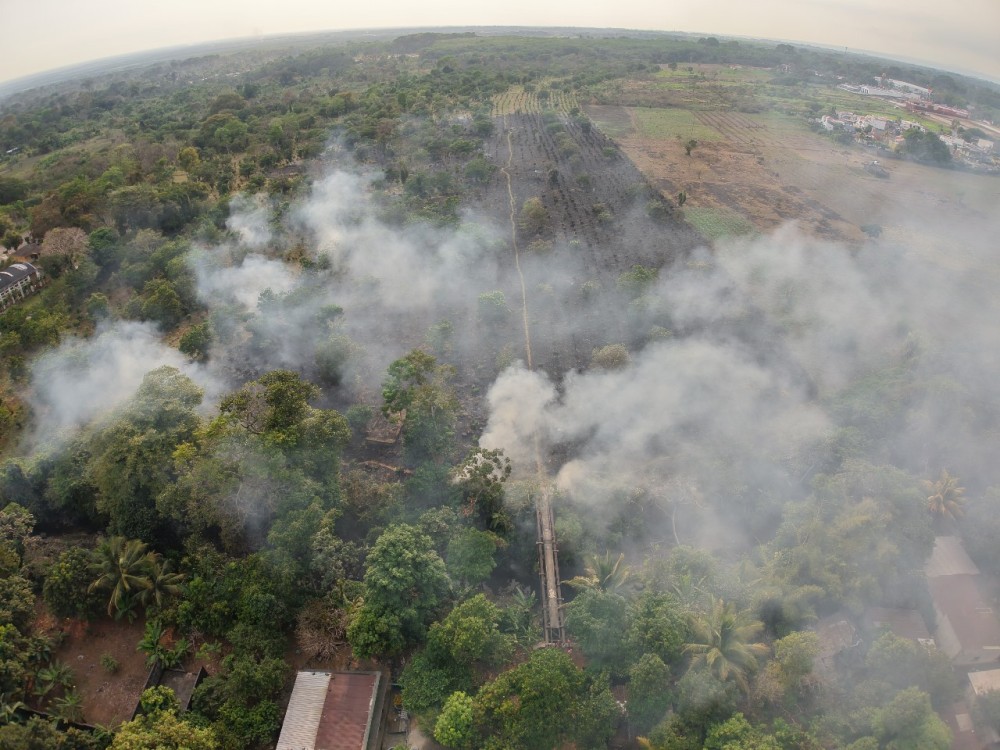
(133, 575)
(722, 638)
(55, 683)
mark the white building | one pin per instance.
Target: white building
(17, 282)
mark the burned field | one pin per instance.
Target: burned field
(581, 215)
(732, 178)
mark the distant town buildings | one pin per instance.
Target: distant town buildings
(888, 133)
(925, 105)
(910, 88)
(915, 98)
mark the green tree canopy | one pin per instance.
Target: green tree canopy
(541, 704)
(405, 585)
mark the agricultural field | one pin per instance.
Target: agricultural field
(768, 168)
(595, 202)
(715, 223)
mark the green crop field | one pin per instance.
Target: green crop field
(670, 123)
(714, 223)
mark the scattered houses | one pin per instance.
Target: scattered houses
(878, 130)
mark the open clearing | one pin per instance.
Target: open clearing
(769, 169)
(108, 698)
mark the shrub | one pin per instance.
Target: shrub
(610, 357)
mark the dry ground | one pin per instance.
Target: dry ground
(108, 699)
(755, 171)
(770, 169)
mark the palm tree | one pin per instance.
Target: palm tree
(945, 499)
(522, 602)
(124, 568)
(163, 583)
(603, 574)
(55, 675)
(722, 641)
(9, 709)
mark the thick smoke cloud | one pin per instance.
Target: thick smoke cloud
(240, 283)
(771, 337)
(250, 221)
(83, 379)
(390, 282)
(770, 334)
(411, 268)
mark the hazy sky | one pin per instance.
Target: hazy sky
(45, 34)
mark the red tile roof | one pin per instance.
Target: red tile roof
(330, 711)
(350, 697)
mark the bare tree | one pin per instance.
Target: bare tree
(69, 242)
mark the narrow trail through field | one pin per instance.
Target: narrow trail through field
(548, 551)
(513, 241)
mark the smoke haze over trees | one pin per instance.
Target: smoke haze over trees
(740, 439)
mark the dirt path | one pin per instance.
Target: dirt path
(548, 561)
(513, 240)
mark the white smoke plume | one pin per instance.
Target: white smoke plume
(770, 336)
(83, 379)
(222, 279)
(392, 283)
(415, 267)
(249, 219)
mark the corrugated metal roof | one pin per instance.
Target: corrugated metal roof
(13, 274)
(969, 614)
(950, 559)
(906, 623)
(330, 711)
(305, 709)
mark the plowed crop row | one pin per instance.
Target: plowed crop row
(735, 127)
(597, 226)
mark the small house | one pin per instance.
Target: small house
(334, 711)
(967, 627)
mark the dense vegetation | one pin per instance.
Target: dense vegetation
(254, 521)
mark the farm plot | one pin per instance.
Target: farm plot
(731, 173)
(672, 123)
(732, 126)
(716, 223)
(770, 169)
(596, 225)
(517, 100)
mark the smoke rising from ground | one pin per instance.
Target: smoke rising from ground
(772, 337)
(250, 219)
(369, 292)
(412, 268)
(241, 282)
(83, 379)
(769, 337)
